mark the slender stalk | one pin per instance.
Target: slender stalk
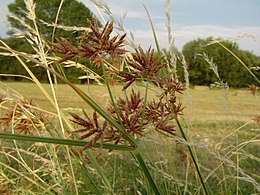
(88, 176)
(111, 95)
(237, 167)
(146, 172)
(114, 172)
(145, 100)
(152, 26)
(56, 21)
(192, 156)
(63, 141)
(100, 171)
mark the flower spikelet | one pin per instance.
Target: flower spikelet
(144, 65)
(94, 45)
(90, 129)
(252, 89)
(130, 112)
(100, 43)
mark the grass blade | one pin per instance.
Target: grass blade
(88, 177)
(146, 172)
(237, 58)
(100, 171)
(64, 141)
(192, 157)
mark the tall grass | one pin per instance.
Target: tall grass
(140, 143)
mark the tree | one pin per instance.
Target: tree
(73, 13)
(9, 65)
(230, 70)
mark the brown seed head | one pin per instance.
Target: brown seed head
(252, 89)
(93, 46)
(143, 65)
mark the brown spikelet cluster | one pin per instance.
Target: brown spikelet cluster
(92, 130)
(94, 45)
(252, 89)
(5, 190)
(130, 116)
(144, 65)
(132, 112)
(169, 85)
(23, 118)
(257, 119)
(66, 48)
(134, 115)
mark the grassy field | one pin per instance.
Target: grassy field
(216, 124)
(204, 104)
(220, 129)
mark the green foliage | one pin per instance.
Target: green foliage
(230, 70)
(9, 65)
(73, 13)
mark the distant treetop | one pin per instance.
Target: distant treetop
(73, 13)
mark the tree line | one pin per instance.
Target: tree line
(200, 73)
(230, 69)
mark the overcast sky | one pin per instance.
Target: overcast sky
(190, 20)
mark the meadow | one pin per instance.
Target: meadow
(218, 123)
(205, 104)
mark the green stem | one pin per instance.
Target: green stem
(145, 170)
(192, 157)
(64, 141)
(88, 177)
(100, 171)
(111, 95)
(145, 101)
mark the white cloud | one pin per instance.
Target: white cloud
(183, 34)
(119, 11)
(247, 37)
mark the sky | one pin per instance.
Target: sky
(190, 19)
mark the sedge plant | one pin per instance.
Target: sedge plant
(75, 146)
